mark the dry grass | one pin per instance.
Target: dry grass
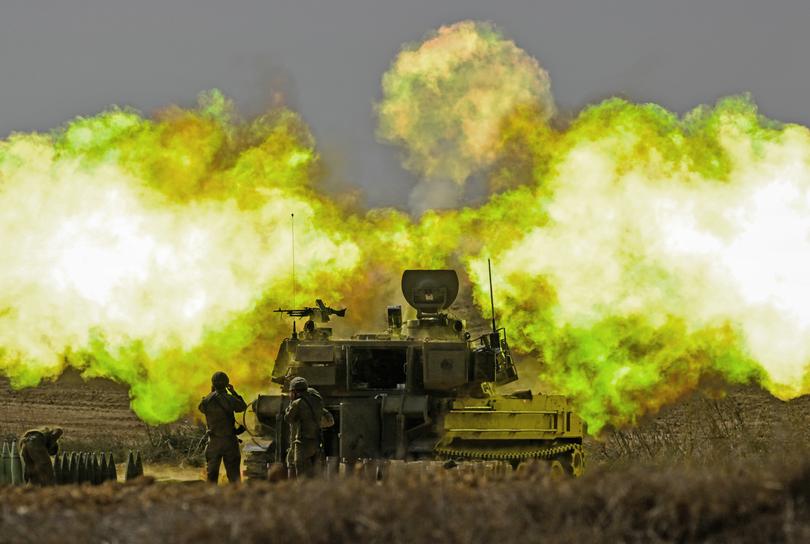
(746, 424)
(183, 442)
(738, 503)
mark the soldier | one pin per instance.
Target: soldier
(36, 448)
(304, 416)
(223, 445)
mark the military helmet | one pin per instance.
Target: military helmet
(298, 384)
(220, 379)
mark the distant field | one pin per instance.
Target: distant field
(95, 415)
(89, 411)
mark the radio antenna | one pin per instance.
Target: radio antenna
(292, 232)
(491, 297)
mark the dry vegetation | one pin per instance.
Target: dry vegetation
(746, 424)
(629, 505)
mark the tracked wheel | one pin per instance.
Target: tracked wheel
(575, 462)
(569, 463)
(557, 469)
(563, 459)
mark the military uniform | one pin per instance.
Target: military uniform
(36, 448)
(223, 445)
(306, 450)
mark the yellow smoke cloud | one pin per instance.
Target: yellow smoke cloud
(662, 251)
(445, 98)
(140, 249)
(637, 253)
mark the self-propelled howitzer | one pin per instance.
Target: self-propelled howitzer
(422, 389)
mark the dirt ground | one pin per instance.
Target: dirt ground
(96, 416)
(91, 412)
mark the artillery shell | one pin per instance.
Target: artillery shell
(138, 464)
(103, 468)
(16, 466)
(5, 466)
(57, 469)
(74, 468)
(131, 471)
(112, 473)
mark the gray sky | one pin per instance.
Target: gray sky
(63, 58)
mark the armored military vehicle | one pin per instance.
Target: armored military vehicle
(422, 389)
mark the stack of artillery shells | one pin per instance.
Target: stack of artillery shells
(85, 468)
(112, 473)
(134, 466)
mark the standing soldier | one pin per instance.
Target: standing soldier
(304, 416)
(223, 445)
(36, 448)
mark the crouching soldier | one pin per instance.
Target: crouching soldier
(36, 448)
(223, 445)
(304, 415)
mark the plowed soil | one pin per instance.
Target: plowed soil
(93, 412)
